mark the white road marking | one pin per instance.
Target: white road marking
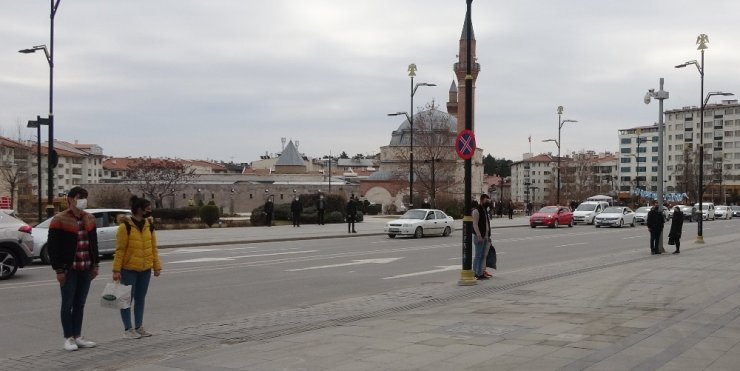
(441, 269)
(627, 238)
(356, 262)
(199, 260)
(572, 244)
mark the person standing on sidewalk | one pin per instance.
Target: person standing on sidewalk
(320, 208)
(269, 211)
(674, 235)
(351, 214)
(655, 223)
(296, 208)
(511, 209)
(481, 237)
(136, 256)
(73, 252)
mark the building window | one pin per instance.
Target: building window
(679, 147)
(625, 160)
(655, 139)
(625, 150)
(654, 169)
(641, 150)
(641, 169)
(655, 149)
(626, 141)
(625, 169)
(655, 159)
(679, 136)
(640, 159)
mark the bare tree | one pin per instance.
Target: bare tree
(159, 178)
(14, 173)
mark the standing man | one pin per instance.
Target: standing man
(296, 208)
(426, 204)
(481, 237)
(655, 222)
(320, 207)
(351, 214)
(269, 211)
(511, 209)
(73, 251)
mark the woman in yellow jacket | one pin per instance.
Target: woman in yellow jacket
(136, 257)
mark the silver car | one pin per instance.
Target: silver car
(16, 245)
(419, 223)
(106, 221)
(723, 212)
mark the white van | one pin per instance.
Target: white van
(707, 210)
(587, 210)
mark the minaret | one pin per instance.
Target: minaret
(452, 100)
(460, 69)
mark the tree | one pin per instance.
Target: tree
(489, 165)
(159, 178)
(358, 156)
(344, 155)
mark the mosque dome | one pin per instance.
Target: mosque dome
(427, 120)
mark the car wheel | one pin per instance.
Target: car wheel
(555, 224)
(570, 224)
(8, 263)
(44, 255)
(391, 235)
(533, 226)
(621, 223)
(447, 232)
(633, 223)
(419, 233)
(597, 226)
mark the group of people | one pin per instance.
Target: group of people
(296, 209)
(73, 252)
(655, 223)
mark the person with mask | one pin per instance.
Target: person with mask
(655, 223)
(320, 208)
(674, 235)
(481, 237)
(269, 211)
(296, 208)
(135, 259)
(73, 252)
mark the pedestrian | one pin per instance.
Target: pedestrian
(426, 204)
(351, 214)
(674, 235)
(135, 259)
(296, 208)
(73, 252)
(269, 211)
(500, 209)
(481, 237)
(511, 209)
(320, 207)
(655, 222)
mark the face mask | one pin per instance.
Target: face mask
(147, 214)
(82, 203)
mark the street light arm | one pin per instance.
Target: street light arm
(553, 140)
(564, 121)
(35, 48)
(713, 93)
(421, 84)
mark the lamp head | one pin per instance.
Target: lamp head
(560, 110)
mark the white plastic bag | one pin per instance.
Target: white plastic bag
(116, 296)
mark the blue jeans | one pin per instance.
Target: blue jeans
(479, 261)
(139, 282)
(74, 294)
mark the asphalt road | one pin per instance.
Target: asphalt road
(216, 283)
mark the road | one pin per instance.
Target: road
(218, 283)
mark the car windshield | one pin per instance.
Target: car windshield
(643, 209)
(549, 209)
(705, 207)
(414, 214)
(613, 210)
(586, 207)
(722, 208)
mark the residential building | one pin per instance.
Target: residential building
(638, 159)
(531, 178)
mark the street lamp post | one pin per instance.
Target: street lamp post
(557, 143)
(702, 40)
(37, 125)
(412, 73)
(660, 95)
(52, 158)
(560, 127)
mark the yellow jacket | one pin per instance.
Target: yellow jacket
(136, 250)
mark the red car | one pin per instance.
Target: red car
(552, 216)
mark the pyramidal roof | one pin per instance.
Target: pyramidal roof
(290, 156)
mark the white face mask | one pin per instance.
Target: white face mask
(82, 203)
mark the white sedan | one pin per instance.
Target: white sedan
(615, 216)
(420, 223)
(723, 212)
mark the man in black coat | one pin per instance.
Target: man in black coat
(351, 214)
(655, 222)
(296, 208)
(320, 207)
(676, 227)
(269, 211)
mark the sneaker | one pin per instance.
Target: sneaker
(482, 277)
(487, 274)
(69, 344)
(83, 343)
(131, 334)
(142, 332)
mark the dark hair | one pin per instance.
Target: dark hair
(483, 196)
(139, 203)
(77, 191)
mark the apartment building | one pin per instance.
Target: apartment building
(531, 178)
(638, 159)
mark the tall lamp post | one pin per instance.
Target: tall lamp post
(52, 157)
(412, 73)
(561, 122)
(557, 143)
(702, 40)
(660, 95)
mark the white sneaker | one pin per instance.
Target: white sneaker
(142, 332)
(131, 334)
(84, 343)
(69, 344)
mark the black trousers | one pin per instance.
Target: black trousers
(654, 240)
(296, 219)
(321, 217)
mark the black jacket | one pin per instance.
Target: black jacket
(676, 225)
(296, 206)
(62, 240)
(655, 219)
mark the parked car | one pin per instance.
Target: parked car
(689, 212)
(722, 212)
(707, 210)
(419, 223)
(586, 211)
(16, 245)
(615, 216)
(641, 214)
(106, 221)
(735, 211)
(552, 216)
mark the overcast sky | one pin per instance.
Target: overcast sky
(226, 79)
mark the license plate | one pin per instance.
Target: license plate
(394, 230)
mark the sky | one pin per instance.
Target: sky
(225, 80)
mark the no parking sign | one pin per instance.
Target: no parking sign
(465, 144)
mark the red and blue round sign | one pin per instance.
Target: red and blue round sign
(465, 144)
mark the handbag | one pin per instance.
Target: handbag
(491, 257)
(116, 296)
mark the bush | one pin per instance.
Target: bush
(184, 213)
(209, 214)
(110, 197)
(374, 209)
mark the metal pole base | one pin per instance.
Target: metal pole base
(467, 278)
(699, 239)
